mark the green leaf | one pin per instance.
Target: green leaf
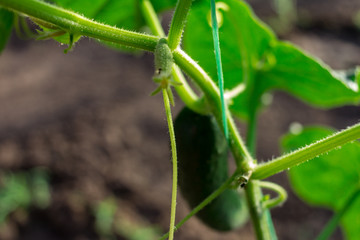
(121, 13)
(308, 78)
(253, 57)
(328, 180)
(6, 23)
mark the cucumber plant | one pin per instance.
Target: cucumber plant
(254, 62)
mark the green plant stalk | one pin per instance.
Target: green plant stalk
(75, 23)
(215, 31)
(333, 223)
(187, 95)
(151, 18)
(306, 153)
(178, 23)
(260, 216)
(174, 163)
(206, 201)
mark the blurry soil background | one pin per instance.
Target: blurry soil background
(85, 125)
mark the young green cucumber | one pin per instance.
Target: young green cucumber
(203, 168)
(163, 60)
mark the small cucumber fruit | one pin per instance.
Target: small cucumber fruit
(163, 59)
(203, 168)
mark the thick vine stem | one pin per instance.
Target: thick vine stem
(77, 24)
(307, 153)
(178, 23)
(187, 95)
(260, 217)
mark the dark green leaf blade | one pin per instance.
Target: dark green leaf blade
(6, 23)
(252, 56)
(308, 78)
(328, 180)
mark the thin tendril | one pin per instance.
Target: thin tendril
(174, 162)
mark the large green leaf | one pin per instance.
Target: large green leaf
(252, 56)
(6, 23)
(330, 179)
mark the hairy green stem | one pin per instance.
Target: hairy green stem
(174, 163)
(215, 31)
(77, 24)
(260, 216)
(306, 153)
(187, 95)
(333, 223)
(206, 201)
(178, 23)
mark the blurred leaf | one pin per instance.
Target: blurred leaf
(253, 56)
(330, 179)
(22, 189)
(6, 23)
(104, 216)
(14, 193)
